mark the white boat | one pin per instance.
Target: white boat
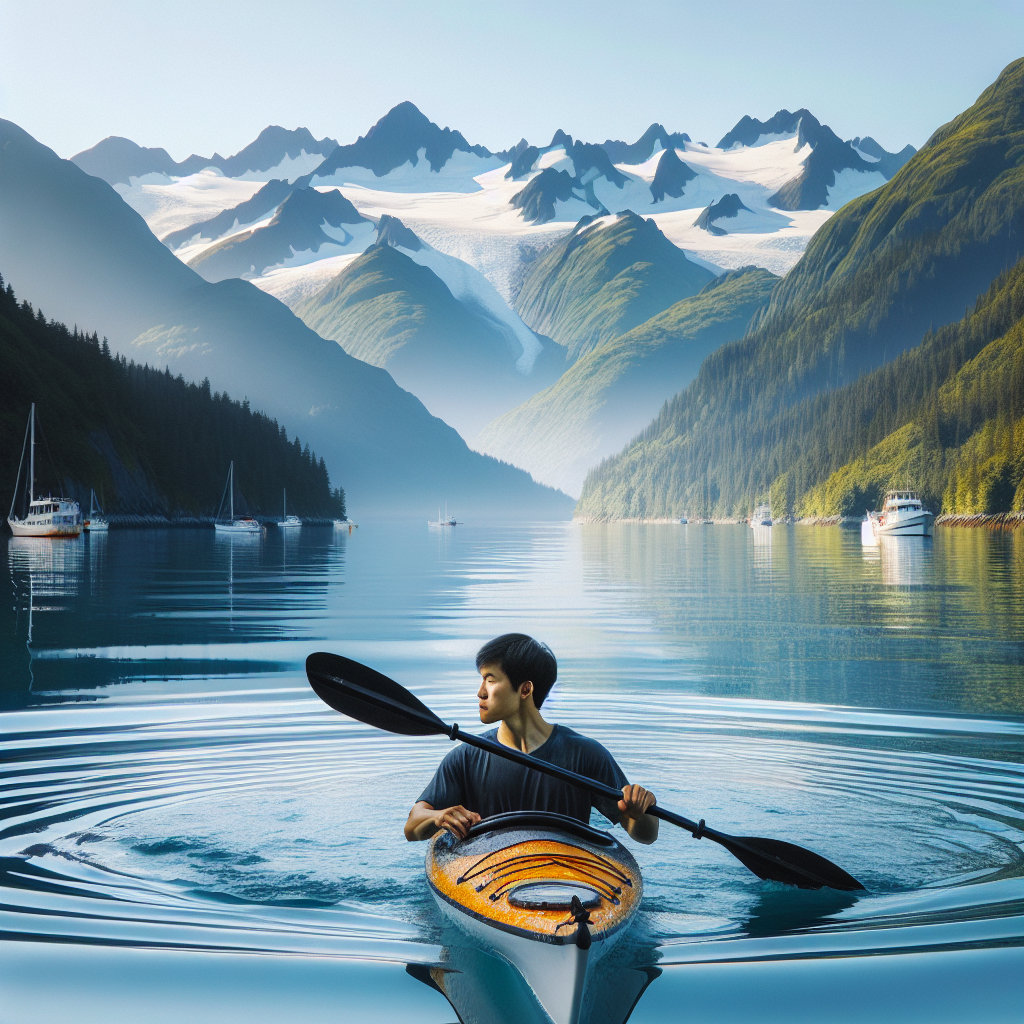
(683, 521)
(446, 521)
(97, 521)
(45, 517)
(287, 522)
(762, 515)
(244, 525)
(902, 515)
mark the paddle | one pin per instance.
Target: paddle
(370, 697)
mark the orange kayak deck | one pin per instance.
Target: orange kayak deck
(519, 878)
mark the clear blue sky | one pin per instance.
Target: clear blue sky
(205, 75)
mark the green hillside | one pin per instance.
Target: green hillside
(608, 395)
(876, 276)
(946, 418)
(388, 310)
(146, 441)
(603, 279)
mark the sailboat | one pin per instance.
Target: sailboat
(447, 521)
(288, 522)
(46, 517)
(97, 521)
(243, 524)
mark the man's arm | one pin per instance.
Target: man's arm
(424, 821)
(640, 825)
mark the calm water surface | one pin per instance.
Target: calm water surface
(188, 832)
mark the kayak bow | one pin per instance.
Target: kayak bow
(548, 893)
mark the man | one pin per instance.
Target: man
(516, 673)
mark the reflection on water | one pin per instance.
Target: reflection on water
(172, 791)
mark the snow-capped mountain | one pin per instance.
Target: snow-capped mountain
(406, 152)
(275, 153)
(653, 140)
(727, 207)
(307, 226)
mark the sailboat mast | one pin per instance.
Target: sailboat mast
(284, 499)
(32, 458)
(231, 475)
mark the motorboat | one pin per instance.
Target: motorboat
(287, 522)
(44, 517)
(547, 893)
(902, 515)
(762, 515)
(244, 525)
(97, 521)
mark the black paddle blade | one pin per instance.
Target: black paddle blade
(367, 696)
(778, 861)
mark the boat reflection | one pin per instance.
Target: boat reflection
(484, 989)
(906, 561)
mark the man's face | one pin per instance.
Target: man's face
(498, 699)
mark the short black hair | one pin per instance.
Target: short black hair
(521, 657)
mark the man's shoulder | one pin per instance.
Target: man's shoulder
(577, 741)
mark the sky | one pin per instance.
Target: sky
(199, 77)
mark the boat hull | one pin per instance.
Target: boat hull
(238, 530)
(495, 885)
(22, 529)
(96, 526)
(920, 524)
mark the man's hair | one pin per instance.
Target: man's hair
(521, 657)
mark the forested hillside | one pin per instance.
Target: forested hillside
(146, 441)
(914, 253)
(946, 418)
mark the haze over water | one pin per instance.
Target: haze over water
(181, 816)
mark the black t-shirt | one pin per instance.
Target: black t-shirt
(489, 785)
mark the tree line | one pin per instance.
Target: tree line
(147, 441)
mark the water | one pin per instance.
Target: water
(187, 831)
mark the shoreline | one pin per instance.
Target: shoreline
(975, 520)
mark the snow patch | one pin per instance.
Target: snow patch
(457, 175)
(558, 160)
(850, 184)
(293, 284)
(290, 168)
(866, 156)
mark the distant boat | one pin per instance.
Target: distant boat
(46, 517)
(683, 520)
(446, 521)
(902, 515)
(97, 521)
(287, 522)
(241, 525)
(762, 515)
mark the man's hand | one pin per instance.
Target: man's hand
(425, 820)
(633, 806)
(456, 820)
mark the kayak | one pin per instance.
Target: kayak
(546, 892)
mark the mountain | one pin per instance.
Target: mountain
(69, 240)
(888, 163)
(466, 358)
(610, 394)
(261, 205)
(671, 177)
(606, 276)
(307, 222)
(436, 157)
(117, 160)
(146, 442)
(883, 271)
(829, 156)
(727, 207)
(570, 171)
(645, 147)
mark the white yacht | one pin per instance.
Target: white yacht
(241, 525)
(97, 521)
(45, 517)
(762, 515)
(287, 522)
(902, 515)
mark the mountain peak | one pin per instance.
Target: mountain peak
(397, 139)
(643, 149)
(391, 231)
